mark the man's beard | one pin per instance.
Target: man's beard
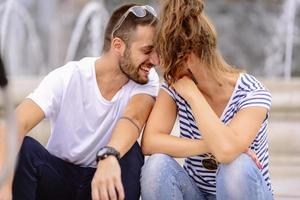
(130, 70)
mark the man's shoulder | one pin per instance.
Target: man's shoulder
(81, 67)
(150, 88)
(84, 65)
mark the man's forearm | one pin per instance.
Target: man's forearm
(124, 136)
(127, 130)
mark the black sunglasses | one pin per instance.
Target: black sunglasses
(210, 163)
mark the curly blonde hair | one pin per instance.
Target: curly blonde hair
(184, 28)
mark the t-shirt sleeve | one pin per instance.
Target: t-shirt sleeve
(49, 93)
(260, 98)
(151, 88)
(169, 90)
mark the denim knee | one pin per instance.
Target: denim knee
(156, 169)
(155, 165)
(157, 176)
(242, 168)
(238, 179)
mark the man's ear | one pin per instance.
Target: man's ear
(118, 46)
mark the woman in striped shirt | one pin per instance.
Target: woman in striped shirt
(222, 113)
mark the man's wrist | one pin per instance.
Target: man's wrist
(106, 151)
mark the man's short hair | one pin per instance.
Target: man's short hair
(128, 25)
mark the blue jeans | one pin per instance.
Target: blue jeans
(40, 175)
(163, 178)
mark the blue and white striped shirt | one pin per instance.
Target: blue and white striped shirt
(248, 92)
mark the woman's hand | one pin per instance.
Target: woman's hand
(186, 88)
(254, 157)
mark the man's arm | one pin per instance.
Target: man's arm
(28, 115)
(126, 133)
(107, 179)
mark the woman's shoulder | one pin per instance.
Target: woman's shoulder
(252, 92)
(249, 83)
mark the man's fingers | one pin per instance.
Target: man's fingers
(120, 189)
(95, 192)
(112, 191)
(103, 192)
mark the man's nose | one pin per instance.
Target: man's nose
(154, 59)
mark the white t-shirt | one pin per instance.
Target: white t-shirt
(81, 119)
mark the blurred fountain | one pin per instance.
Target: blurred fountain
(20, 44)
(8, 133)
(91, 23)
(22, 53)
(280, 51)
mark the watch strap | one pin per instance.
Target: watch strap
(106, 151)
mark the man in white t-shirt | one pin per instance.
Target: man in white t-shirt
(97, 108)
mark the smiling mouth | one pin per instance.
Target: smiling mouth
(145, 69)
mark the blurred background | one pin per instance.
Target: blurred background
(261, 36)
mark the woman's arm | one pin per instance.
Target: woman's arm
(226, 142)
(157, 138)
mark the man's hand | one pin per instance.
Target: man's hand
(107, 184)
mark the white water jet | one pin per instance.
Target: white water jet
(93, 19)
(280, 51)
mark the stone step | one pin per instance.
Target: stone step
(284, 133)
(285, 176)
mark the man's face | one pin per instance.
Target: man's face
(139, 58)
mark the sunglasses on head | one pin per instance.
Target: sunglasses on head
(138, 11)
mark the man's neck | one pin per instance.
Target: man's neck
(110, 78)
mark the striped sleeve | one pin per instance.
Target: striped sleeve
(169, 90)
(260, 98)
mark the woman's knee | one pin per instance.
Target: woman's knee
(239, 171)
(156, 167)
(155, 163)
(242, 165)
(158, 176)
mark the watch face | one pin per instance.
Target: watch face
(102, 151)
(107, 151)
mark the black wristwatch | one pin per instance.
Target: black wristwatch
(107, 151)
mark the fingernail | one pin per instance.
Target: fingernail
(260, 166)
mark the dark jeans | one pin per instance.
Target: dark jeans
(40, 175)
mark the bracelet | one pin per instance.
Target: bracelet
(129, 119)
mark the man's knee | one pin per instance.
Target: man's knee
(31, 150)
(29, 145)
